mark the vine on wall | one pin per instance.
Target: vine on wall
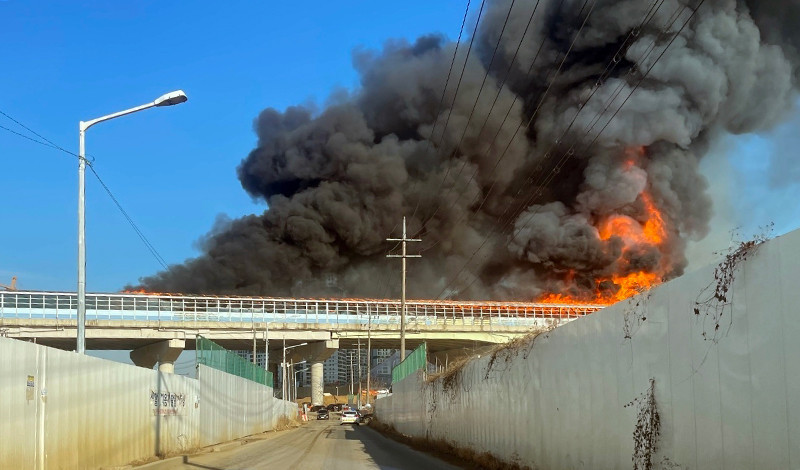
(634, 315)
(713, 305)
(647, 429)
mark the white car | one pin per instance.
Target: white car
(349, 416)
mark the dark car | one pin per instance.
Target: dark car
(322, 413)
(335, 407)
(316, 408)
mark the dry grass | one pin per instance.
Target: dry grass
(509, 348)
(440, 448)
(285, 423)
(453, 368)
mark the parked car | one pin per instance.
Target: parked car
(316, 408)
(335, 407)
(322, 413)
(349, 416)
(365, 418)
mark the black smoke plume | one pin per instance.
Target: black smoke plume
(506, 214)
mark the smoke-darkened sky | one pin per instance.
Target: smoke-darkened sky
(563, 156)
(340, 171)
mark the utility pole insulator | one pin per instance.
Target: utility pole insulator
(404, 256)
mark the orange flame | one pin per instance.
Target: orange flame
(652, 231)
(142, 291)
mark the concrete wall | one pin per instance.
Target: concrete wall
(726, 381)
(60, 410)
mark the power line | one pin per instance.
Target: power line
(491, 108)
(383, 285)
(565, 157)
(40, 142)
(139, 233)
(50, 144)
(533, 116)
(444, 90)
(455, 94)
(571, 150)
(474, 106)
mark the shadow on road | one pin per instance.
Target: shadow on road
(186, 462)
(386, 453)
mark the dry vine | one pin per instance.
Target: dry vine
(646, 431)
(713, 301)
(507, 352)
(634, 315)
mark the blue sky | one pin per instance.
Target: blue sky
(174, 169)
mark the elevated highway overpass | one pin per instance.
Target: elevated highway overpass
(157, 327)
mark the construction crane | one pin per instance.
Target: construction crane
(13, 285)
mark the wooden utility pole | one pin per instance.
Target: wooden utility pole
(403, 298)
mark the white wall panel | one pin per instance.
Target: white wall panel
(767, 355)
(789, 308)
(84, 412)
(19, 405)
(232, 407)
(726, 400)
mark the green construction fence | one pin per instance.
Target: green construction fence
(413, 362)
(215, 356)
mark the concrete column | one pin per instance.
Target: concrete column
(317, 382)
(165, 353)
(315, 354)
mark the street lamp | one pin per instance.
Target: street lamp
(294, 377)
(284, 375)
(169, 99)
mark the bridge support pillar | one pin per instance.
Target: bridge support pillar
(165, 353)
(317, 382)
(315, 354)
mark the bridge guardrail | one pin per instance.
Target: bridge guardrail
(169, 307)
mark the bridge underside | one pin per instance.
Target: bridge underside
(130, 335)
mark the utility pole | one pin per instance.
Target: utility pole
(403, 288)
(283, 371)
(254, 347)
(351, 373)
(253, 321)
(369, 350)
(359, 372)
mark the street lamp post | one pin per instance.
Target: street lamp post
(294, 378)
(169, 99)
(284, 375)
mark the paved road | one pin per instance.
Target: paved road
(318, 445)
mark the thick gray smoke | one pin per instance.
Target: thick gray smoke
(506, 214)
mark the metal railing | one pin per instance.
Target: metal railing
(181, 308)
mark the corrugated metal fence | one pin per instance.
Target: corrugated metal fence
(679, 377)
(61, 410)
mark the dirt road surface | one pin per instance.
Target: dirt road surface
(317, 445)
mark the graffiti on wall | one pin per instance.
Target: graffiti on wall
(166, 403)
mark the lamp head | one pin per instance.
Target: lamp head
(169, 99)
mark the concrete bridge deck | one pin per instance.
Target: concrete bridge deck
(130, 321)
